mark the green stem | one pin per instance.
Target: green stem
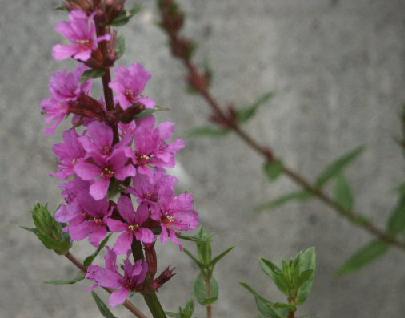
(154, 305)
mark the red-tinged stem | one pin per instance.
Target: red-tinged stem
(127, 304)
(204, 91)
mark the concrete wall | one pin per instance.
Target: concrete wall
(338, 70)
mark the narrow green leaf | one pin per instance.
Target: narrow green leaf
(307, 267)
(102, 307)
(126, 16)
(61, 8)
(204, 293)
(93, 73)
(244, 114)
(396, 221)
(337, 166)
(49, 231)
(189, 254)
(29, 229)
(206, 131)
(276, 274)
(343, 193)
(276, 203)
(66, 282)
(121, 46)
(90, 259)
(273, 169)
(173, 314)
(364, 256)
(220, 256)
(267, 308)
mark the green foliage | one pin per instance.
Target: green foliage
(336, 167)
(121, 46)
(207, 131)
(79, 278)
(396, 221)
(205, 286)
(90, 259)
(126, 16)
(102, 307)
(273, 169)
(343, 192)
(294, 278)
(266, 307)
(244, 114)
(363, 257)
(284, 199)
(49, 231)
(93, 73)
(186, 312)
(206, 290)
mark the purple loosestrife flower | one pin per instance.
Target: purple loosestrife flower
(177, 215)
(103, 161)
(151, 148)
(100, 170)
(80, 30)
(86, 217)
(132, 227)
(123, 284)
(68, 153)
(65, 87)
(129, 84)
(150, 191)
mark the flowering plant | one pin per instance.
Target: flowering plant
(112, 165)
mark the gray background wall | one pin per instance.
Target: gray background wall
(338, 70)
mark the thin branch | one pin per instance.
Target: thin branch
(127, 304)
(172, 21)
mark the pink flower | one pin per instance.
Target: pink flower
(100, 170)
(129, 84)
(177, 215)
(132, 227)
(122, 284)
(86, 218)
(98, 139)
(150, 191)
(151, 147)
(65, 87)
(68, 153)
(103, 161)
(80, 30)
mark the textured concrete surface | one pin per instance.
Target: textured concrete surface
(338, 70)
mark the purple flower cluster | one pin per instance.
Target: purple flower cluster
(113, 171)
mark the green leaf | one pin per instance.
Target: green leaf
(186, 312)
(121, 46)
(396, 221)
(145, 113)
(62, 7)
(337, 166)
(79, 278)
(173, 314)
(307, 267)
(29, 229)
(90, 259)
(286, 198)
(207, 131)
(246, 113)
(49, 231)
(189, 254)
(102, 307)
(220, 256)
(126, 16)
(267, 308)
(276, 275)
(93, 73)
(364, 256)
(205, 294)
(273, 169)
(343, 193)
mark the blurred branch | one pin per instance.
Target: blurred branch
(172, 21)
